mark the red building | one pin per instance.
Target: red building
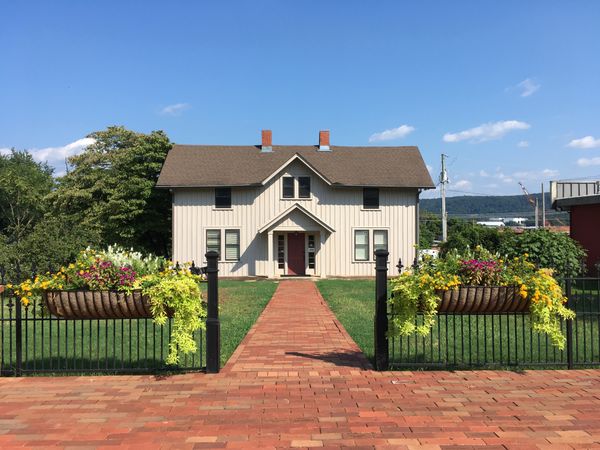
(582, 200)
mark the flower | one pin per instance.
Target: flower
(419, 290)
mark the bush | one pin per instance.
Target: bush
(463, 235)
(556, 251)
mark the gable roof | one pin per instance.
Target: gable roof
(290, 210)
(217, 165)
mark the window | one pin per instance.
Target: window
(232, 245)
(213, 241)
(288, 187)
(371, 198)
(304, 187)
(361, 245)
(380, 240)
(223, 197)
(281, 251)
(311, 251)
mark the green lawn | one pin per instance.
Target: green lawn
(465, 340)
(100, 345)
(353, 303)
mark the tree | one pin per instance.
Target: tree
(111, 190)
(546, 249)
(23, 185)
(462, 234)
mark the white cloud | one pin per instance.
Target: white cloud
(487, 131)
(463, 184)
(586, 162)
(429, 168)
(56, 154)
(391, 134)
(175, 110)
(5, 151)
(550, 173)
(483, 174)
(528, 87)
(523, 144)
(536, 175)
(585, 142)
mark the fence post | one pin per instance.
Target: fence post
(213, 327)
(18, 337)
(381, 317)
(568, 293)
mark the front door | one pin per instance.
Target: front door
(296, 265)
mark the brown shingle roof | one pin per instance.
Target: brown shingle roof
(215, 165)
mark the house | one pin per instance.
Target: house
(279, 210)
(582, 200)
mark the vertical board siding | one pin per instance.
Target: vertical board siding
(252, 208)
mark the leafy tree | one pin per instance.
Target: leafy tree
(547, 249)
(111, 190)
(462, 234)
(430, 229)
(23, 185)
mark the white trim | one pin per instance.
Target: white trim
(370, 229)
(288, 162)
(288, 211)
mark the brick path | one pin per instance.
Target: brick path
(295, 385)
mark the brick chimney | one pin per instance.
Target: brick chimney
(324, 141)
(267, 141)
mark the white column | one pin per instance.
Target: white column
(321, 259)
(270, 262)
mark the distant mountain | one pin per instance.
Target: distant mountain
(492, 206)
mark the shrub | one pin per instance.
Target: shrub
(556, 251)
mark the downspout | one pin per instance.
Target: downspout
(417, 224)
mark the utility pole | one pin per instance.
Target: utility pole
(543, 207)
(537, 222)
(443, 182)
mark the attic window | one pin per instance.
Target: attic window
(223, 197)
(304, 187)
(371, 198)
(288, 187)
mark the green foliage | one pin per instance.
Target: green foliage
(419, 291)
(23, 185)
(430, 229)
(179, 292)
(463, 235)
(556, 251)
(111, 189)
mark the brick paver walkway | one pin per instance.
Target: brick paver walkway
(298, 381)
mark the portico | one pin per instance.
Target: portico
(296, 241)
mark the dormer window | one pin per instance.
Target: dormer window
(370, 198)
(288, 187)
(304, 187)
(223, 197)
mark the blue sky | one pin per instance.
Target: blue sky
(508, 90)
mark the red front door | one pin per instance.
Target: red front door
(296, 254)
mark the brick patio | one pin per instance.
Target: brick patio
(298, 380)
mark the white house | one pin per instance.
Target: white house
(294, 210)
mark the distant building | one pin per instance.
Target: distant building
(582, 200)
(491, 223)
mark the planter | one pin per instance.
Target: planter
(97, 304)
(482, 300)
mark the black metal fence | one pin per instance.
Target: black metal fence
(501, 340)
(32, 341)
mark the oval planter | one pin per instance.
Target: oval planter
(97, 304)
(482, 300)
